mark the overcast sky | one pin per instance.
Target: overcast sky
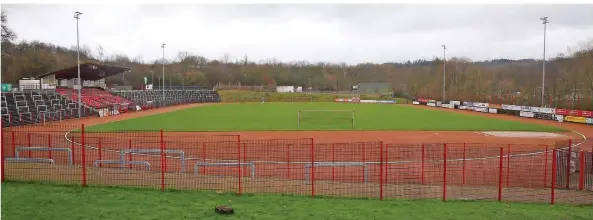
(335, 33)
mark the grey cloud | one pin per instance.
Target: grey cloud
(350, 33)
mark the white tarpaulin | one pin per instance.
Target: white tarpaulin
(480, 109)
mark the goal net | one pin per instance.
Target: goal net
(325, 119)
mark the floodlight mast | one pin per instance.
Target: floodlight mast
(163, 85)
(545, 22)
(444, 71)
(77, 17)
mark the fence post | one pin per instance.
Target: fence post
(333, 161)
(445, 172)
(13, 144)
(500, 165)
(288, 159)
(508, 164)
(312, 167)
(568, 164)
(100, 149)
(463, 168)
(363, 158)
(381, 172)
(546, 167)
(422, 167)
(386, 164)
(83, 153)
(245, 171)
(582, 170)
(239, 164)
(162, 162)
(2, 155)
(130, 155)
(49, 145)
(29, 143)
(204, 157)
(72, 149)
(554, 170)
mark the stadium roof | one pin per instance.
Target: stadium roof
(88, 71)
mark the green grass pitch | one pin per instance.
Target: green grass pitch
(283, 116)
(46, 201)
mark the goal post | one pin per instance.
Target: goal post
(326, 118)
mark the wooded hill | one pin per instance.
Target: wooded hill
(568, 76)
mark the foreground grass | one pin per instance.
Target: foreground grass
(42, 201)
(283, 116)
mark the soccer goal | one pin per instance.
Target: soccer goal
(320, 119)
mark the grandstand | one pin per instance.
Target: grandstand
(34, 103)
(147, 99)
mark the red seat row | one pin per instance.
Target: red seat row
(95, 98)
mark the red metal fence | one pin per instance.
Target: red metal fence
(198, 161)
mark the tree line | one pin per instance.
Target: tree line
(568, 80)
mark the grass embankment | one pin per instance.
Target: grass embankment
(283, 116)
(249, 96)
(46, 201)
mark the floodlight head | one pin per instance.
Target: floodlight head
(163, 45)
(77, 14)
(544, 20)
(444, 47)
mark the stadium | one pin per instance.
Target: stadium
(336, 145)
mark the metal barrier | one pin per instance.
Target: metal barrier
(133, 162)
(18, 149)
(588, 170)
(30, 160)
(336, 164)
(122, 154)
(197, 166)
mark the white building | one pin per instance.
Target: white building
(285, 89)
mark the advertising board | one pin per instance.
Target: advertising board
(494, 106)
(386, 101)
(575, 112)
(545, 116)
(480, 109)
(587, 114)
(561, 111)
(527, 114)
(576, 119)
(526, 108)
